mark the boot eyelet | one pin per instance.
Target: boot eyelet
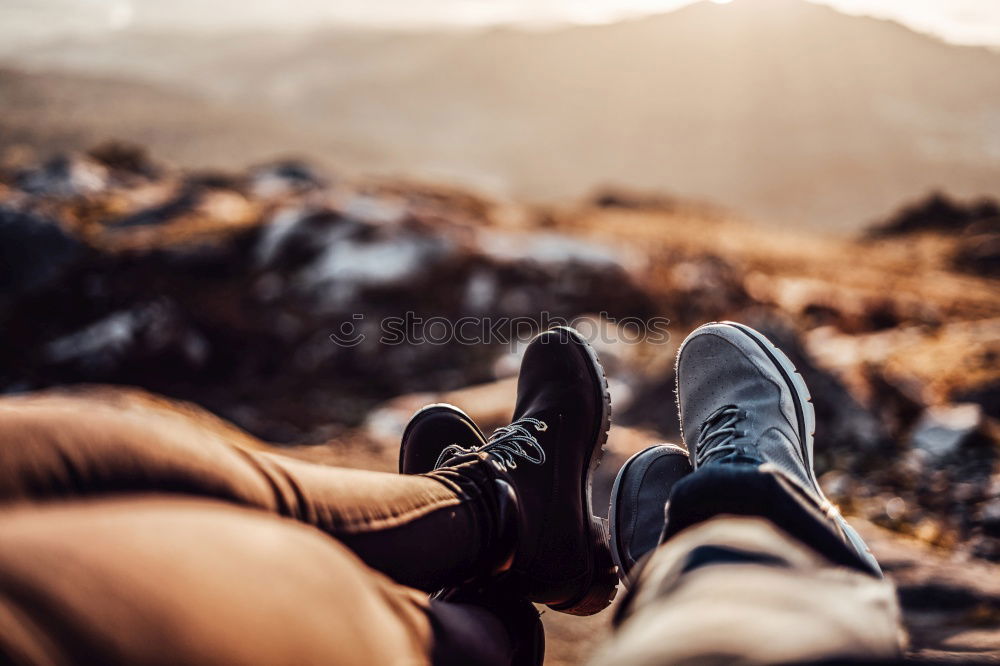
(542, 426)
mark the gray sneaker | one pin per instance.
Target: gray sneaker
(741, 400)
(638, 499)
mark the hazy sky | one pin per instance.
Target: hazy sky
(24, 21)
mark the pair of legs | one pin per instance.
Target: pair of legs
(126, 537)
(125, 540)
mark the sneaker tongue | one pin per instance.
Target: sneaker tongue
(717, 438)
(733, 458)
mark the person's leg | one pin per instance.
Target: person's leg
(547, 456)
(519, 503)
(169, 580)
(754, 564)
(424, 531)
(749, 570)
(741, 402)
(739, 590)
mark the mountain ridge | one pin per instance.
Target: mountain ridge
(801, 115)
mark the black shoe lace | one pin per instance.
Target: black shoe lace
(506, 443)
(717, 434)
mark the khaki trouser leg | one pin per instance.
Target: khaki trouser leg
(185, 581)
(738, 590)
(426, 531)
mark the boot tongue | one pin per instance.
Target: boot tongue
(460, 456)
(507, 447)
(454, 455)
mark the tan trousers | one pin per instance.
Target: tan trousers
(736, 590)
(138, 535)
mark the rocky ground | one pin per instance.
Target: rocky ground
(225, 289)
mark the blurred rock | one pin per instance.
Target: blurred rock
(989, 517)
(284, 178)
(617, 197)
(122, 345)
(978, 251)
(544, 249)
(65, 176)
(253, 291)
(124, 159)
(34, 253)
(938, 213)
(986, 396)
(818, 303)
(943, 431)
(699, 288)
(180, 204)
(335, 261)
(702, 287)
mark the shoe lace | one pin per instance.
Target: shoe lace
(506, 443)
(717, 434)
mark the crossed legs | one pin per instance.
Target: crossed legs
(122, 544)
(130, 538)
